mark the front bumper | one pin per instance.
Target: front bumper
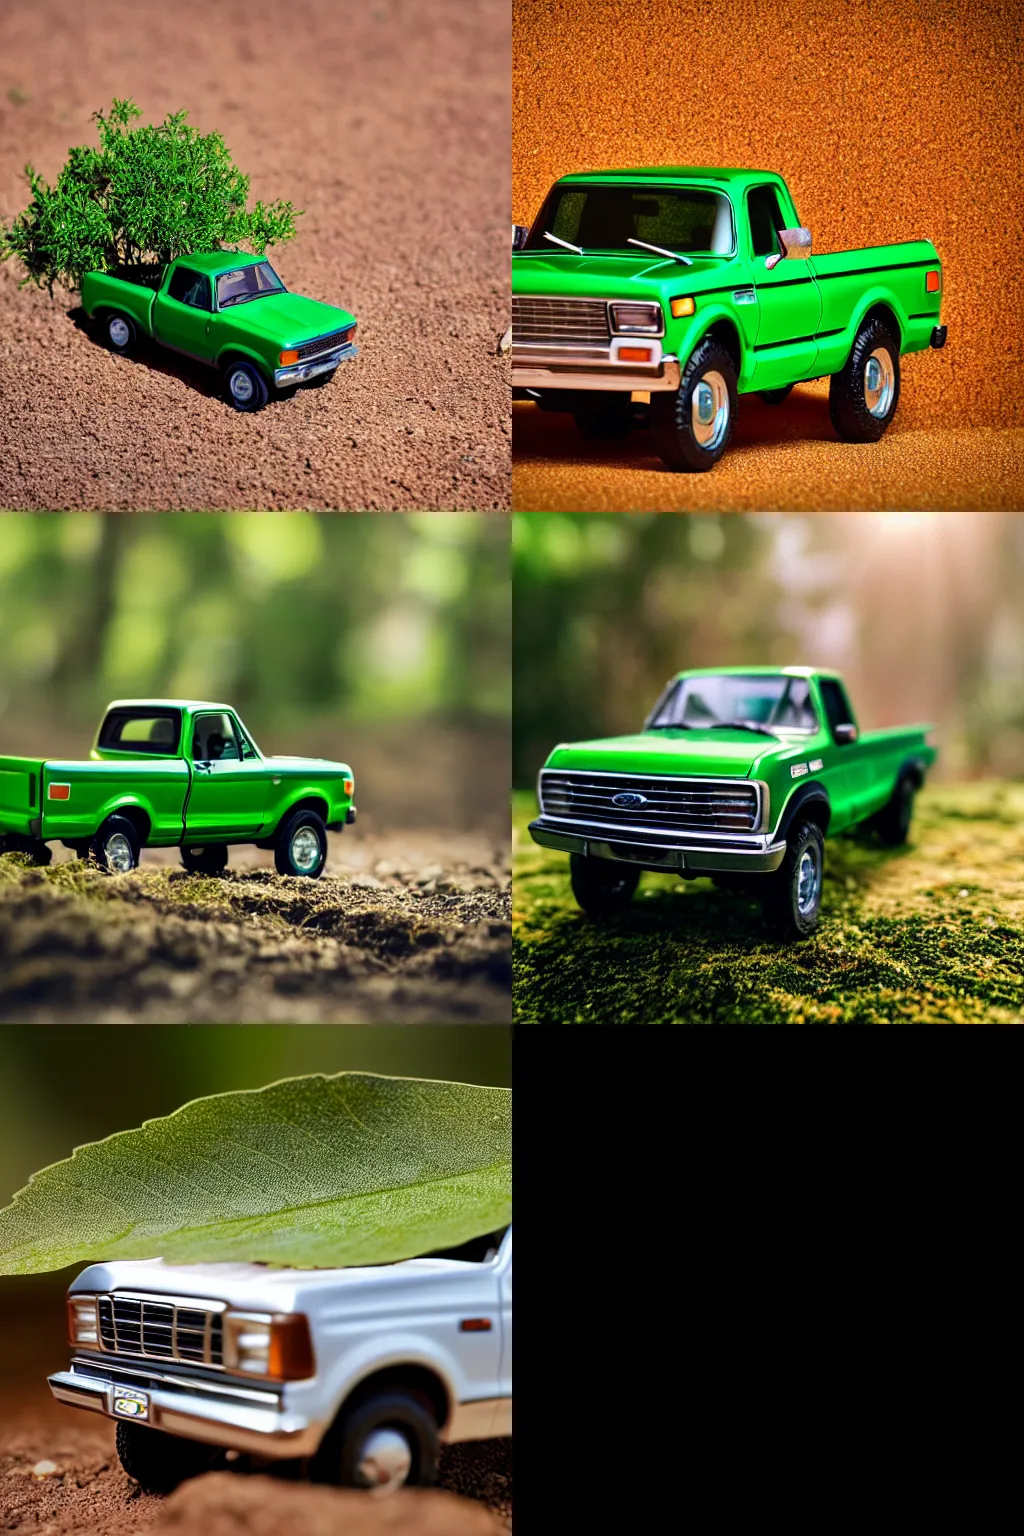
(299, 373)
(592, 368)
(238, 1418)
(753, 854)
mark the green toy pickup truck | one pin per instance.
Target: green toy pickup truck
(696, 286)
(229, 311)
(740, 773)
(173, 773)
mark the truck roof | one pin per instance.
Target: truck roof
(189, 704)
(733, 175)
(759, 672)
(215, 262)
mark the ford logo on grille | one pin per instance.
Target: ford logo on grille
(629, 802)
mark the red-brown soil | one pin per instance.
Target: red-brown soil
(388, 123)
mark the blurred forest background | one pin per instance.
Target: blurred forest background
(923, 612)
(383, 640)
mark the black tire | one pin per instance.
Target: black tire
(115, 841)
(245, 388)
(776, 396)
(119, 331)
(671, 415)
(602, 887)
(345, 1444)
(211, 860)
(787, 911)
(604, 417)
(289, 857)
(893, 821)
(848, 404)
(37, 851)
(159, 1462)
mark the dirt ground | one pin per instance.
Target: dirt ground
(401, 928)
(59, 1472)
(388, 123)
(889, 123)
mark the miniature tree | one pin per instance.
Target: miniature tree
(147, 195)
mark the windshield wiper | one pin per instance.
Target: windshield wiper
(243, 298)
(669, 726)
(741, 725)
(659, 250)
(564, 244)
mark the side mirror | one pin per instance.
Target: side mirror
(796, 246)
(519, 234)
(845, 734)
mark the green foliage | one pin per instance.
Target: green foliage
(930, 934)
(146, 195)
(312, 1172)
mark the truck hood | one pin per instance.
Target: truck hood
(317, 763)
(645, 276)
(288, 319)
(722, 753)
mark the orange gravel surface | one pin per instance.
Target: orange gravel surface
(387, 121)
(891, 120)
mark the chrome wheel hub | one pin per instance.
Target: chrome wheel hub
(385, 1460)
(119, 332)
(709, 410)
(808, 881)
(118, 851)
(305, 849)
(879, 382)
(240, 385)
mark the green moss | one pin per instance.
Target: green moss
(932, 933)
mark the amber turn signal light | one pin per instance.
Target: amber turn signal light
(634, 354)
(291, 356)
(933, 283)
(348, 785)
(682, 307)
(291, 1349)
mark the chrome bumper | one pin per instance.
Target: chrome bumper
(755, 855)
(298, 373)
(242, 1419)
(590, 368)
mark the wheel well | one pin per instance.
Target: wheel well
(914, 772)
(227, 358)
(311, 803)
(886, 315)
(727, 336)
(427, 1386)
(138, 818)
(814, 808)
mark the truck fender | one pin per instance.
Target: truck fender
(404, 1349)
(129, 803)
(705, 320)
(878, 297)
(233, 352)
(914, 766)
(805, 796)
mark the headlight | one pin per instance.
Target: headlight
(83, 1327)
(633, 319)
(274, 1345)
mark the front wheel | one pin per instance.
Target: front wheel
(117, 847)
(212, 860)
(159, 1462)
(864, 394)
(791, 900)
(692, 425)
(386, 1441)
(245, 387)
(602, 887)
(300, 847)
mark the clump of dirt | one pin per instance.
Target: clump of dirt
(410, 944)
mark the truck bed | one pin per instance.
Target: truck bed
(131, 290)
(20, 783)
(846, 278)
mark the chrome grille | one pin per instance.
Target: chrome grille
(323, 344)
(668, 804)
(161, 1329)
(559, 322)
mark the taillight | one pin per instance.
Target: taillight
(933, 282)
(348, 785)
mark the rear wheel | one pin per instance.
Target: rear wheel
(602, 887)
(864, 394)
(245, 387)
(119, 331)
(893, 821)
(159, 1462)
(791, 897)
(117, 846)
(300, 847)
(388, 1440)
(692, 425)
(212, 860)
(604, 417)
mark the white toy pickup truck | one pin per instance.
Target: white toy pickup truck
(365, 1372)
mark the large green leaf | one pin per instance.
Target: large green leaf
(313, 1171)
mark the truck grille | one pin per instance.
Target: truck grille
(161, 1330)
(323, 344)
(668, 804)
(559, 322)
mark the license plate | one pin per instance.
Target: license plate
(129, 1404)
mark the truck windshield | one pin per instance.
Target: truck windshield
(140, 731)
(247, 283)
(770, 704)
(606, 218)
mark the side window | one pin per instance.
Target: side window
(189, 287)
(214, 740)
(765, 218)
(837, 705)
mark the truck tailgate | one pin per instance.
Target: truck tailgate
(20, 779)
